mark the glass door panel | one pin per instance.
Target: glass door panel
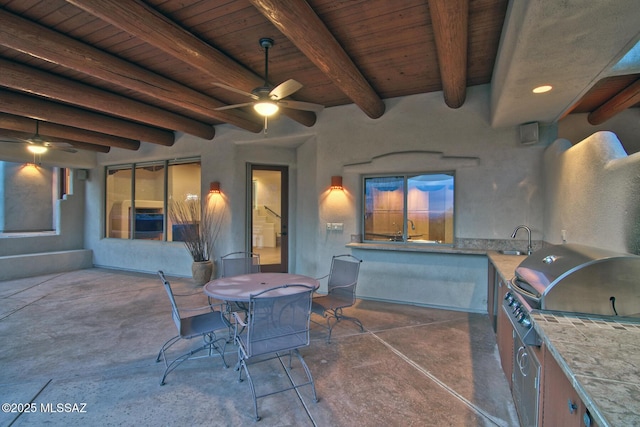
(269, 219)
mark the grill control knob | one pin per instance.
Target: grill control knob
(525, 321)
(516, 306)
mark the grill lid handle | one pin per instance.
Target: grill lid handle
(525, 292)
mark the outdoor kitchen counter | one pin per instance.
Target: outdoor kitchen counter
(599, 355)
(601, 358)
(417, 247)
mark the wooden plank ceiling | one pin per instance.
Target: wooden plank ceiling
(112, 73)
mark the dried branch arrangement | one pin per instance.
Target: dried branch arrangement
(201, 225)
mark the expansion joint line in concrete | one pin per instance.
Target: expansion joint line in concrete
(302, 401)
(31, 401)
(444, 386)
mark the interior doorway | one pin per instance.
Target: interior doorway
(269, 219)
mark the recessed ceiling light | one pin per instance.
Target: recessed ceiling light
(542, 89)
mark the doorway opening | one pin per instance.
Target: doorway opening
(269, 219)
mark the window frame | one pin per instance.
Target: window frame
(132, 167)
(402, 239)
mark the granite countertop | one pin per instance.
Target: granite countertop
(505, 264)
(417, 247)
(600, 356)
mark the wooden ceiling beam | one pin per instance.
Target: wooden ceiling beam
(53, 130)
(149, 25)
(450, 21)
(300, 24)
(75, 144)
(39, 109)
(626, 98)
(30, 38)
(27, 79)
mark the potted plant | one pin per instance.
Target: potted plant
(197, 226)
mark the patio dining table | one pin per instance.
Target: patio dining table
(240, 288)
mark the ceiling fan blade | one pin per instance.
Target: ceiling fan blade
(65, 149)
(58, 146)
(228, 107)
(55, 143)
(285, 89)
(299, 105)
(15, 136)
(233, 89)
(29, 138)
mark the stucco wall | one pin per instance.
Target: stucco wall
(592, 192)
(498, 187)
(47, 252)
(26, 197)
(500, 184)
(68, 231)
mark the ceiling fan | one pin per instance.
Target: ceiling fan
(267, 99)
(35, 143)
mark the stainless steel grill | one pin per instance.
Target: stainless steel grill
(580, 279)
(566, 278)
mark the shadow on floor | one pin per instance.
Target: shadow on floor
(79, 348)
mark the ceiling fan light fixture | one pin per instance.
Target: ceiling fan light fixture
(37, 149)
(266, 108)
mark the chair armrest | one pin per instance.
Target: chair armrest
(203, 308)
(323, 277)
(348, 285)
(238, 319)
(187, 295)
(209, 307)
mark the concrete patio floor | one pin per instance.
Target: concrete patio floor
(90, 338)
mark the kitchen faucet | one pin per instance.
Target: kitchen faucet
(413, 226)
(513, 236)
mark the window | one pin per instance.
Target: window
(409, 208)
(153, 184)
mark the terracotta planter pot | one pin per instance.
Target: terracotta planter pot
(201, 271)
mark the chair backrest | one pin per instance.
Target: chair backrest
(237, 263)
(343, 277)
(174, 307)
(279, 319)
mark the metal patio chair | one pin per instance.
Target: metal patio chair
(277, 325)
(341, 292)
(237, 263)
(202, 325)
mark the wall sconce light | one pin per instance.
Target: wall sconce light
(214, 187)
(336, 182)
